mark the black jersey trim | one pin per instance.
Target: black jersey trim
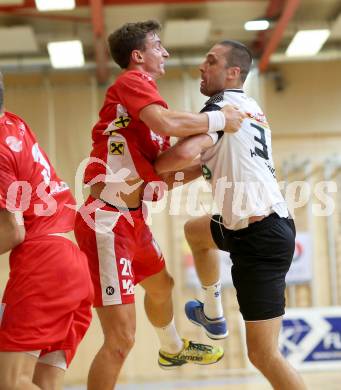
(234, 90)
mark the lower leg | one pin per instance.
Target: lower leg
(118, 324)
(281, 374)
(262, 343)
(207, 263)
(159, 309)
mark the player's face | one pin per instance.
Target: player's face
(154, 56)
(214, 71)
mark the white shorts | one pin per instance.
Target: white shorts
(55, 358)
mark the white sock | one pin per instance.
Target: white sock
(170, 340)
(212, 301)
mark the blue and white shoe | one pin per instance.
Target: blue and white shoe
(215, 328)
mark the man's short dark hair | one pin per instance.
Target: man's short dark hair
(1, 92)
(238, 55)
(131, 36)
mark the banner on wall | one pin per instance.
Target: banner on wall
(311, 337)
(300, 270)
(301, 266)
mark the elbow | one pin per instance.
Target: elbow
(186, 153)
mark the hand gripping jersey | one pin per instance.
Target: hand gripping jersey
(240, 166)
(28, 183)
(124, 148)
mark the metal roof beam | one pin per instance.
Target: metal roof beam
(277, 34)
(101, 51)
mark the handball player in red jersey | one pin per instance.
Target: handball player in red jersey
(46, 306)
(133, 129)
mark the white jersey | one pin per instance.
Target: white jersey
(240, 166)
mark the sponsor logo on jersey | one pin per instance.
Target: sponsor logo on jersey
(110, 290)
(116, 148)
(14, 144)
(122, 122)
(258, 117)
(22, 129)
(206, 172)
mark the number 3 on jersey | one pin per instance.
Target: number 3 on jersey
(39, 158)
(262, 150)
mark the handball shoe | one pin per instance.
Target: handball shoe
(191, 353)
(215, 328)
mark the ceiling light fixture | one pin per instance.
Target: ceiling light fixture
(307, 43)
(66, 54)
(257, 25)
(55, 5)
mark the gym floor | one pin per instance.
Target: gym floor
(326, 380)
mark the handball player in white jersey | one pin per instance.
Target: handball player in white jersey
(253, 223)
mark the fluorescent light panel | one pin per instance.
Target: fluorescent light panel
(17, 40)
(67, 54)
(256, 25)
(11, 2)
(182, 33)
(307, 43)
(53, 5)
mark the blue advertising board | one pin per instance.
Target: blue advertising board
(311, 337)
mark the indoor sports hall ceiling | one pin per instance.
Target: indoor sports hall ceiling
(189, 27)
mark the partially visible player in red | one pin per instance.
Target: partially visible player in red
(46, 306)
(133, 129)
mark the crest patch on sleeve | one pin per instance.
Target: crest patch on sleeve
(116, 148)
(122, 122)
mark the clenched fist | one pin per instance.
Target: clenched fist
(234, 118)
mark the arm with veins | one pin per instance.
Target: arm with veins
(183, 154)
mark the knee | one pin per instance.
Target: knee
(163, 292)
(190, 233)
(118, 346)
(261, 358)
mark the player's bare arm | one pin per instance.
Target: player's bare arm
(183, 124)
(182, 154)
(11, 233)
(189, 174)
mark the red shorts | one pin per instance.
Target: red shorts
(120, 248)
(47, 301)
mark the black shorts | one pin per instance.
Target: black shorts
(261, 255)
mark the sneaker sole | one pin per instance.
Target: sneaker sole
(170, 367)
(210, 335)
(199, 364)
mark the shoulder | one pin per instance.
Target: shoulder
(15, 133)
(13, 123)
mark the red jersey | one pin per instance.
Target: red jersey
(28, 182)
(120, 138)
